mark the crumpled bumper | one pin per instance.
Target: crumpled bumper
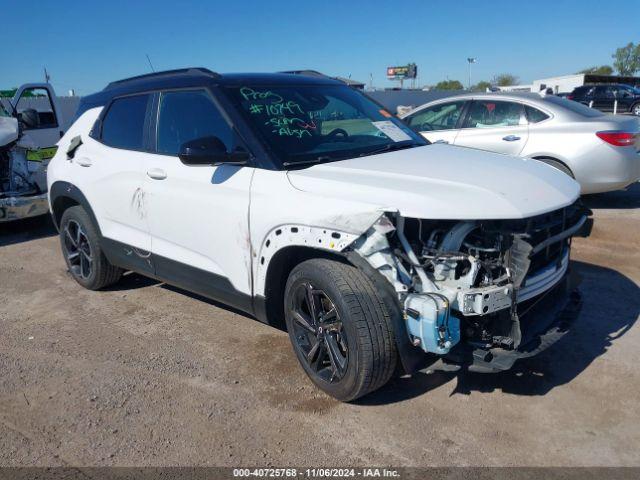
(16, 208)
(542, 325)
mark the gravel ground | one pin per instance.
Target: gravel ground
(146, 374)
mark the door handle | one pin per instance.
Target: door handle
(156, 174)
(441, 141)
(83, 161)
(511, 138)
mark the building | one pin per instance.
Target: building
(566, 83)
(516, 88)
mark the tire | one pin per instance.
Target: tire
(360, 329)
(80, 245)
(635, 109)
(557, 165)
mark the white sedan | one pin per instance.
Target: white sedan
(602, 152)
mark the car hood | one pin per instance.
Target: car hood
(443, 182)
(8, 130)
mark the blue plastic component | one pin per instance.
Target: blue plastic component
(430, 325)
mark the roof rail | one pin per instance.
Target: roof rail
(192, 70)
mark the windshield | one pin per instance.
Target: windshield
(305, 124)
(3, 112)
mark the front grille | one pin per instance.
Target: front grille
(537, 230)
(542, 227)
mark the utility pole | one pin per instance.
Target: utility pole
(470, 60)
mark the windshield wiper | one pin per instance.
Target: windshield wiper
(389, 148)
(309, 161)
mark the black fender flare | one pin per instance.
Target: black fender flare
(412, 358)
(60, 190)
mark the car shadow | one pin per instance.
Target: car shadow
(132, 281)
(204, 299)
(224, 172)
(618, 200)
(610, 309)
(19, 231)
(611, 306)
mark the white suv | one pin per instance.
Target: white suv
(300, 199)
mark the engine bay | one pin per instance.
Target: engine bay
(464, 280)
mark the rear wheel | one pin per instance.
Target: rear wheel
(635, 109)
(340, 329)
(82, 252)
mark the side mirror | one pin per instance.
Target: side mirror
(29, 117)
(210, 151)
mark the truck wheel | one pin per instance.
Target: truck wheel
(82, 253)
(340, 328)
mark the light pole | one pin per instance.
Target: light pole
(470, 60)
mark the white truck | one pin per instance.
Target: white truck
(30, 127)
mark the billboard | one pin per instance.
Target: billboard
(400, 73)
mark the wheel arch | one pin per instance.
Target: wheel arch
(269, 307)
(271, 310)
(551, 158)
(63, 195)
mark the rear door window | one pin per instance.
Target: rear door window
(623, 91)
(443, 116)
(494, 114)
(534, 115)
(123, 125)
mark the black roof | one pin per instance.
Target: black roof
(193, 77)
(274, 79)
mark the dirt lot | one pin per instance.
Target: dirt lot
(144, 374)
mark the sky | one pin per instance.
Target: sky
(85, 45)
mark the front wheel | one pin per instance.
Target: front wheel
(340, 328)
(635, 109)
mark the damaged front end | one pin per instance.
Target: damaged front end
(23, 173)
(480, 293)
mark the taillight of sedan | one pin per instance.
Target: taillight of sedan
(618, 138)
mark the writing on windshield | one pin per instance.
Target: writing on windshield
(318, 122)
(284, 116)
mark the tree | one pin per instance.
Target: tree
(481, 86)
(505, 79)
(601, 70)
(626, 60)
(8, 93)
(449, 85)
